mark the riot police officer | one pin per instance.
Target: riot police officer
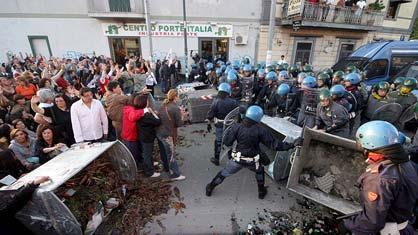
(323, 80)
(377, 99)
(248, 135)
(338, 78)
(388, 187)
(210, 73)
(259, 83)
(282, 100)
(236, 88)
(404, 96)
(307, 99)
(397, 83)
(331, 117)
(267, 93)
(352, 83)
(338, 93)
(220, 107)
(247, 82)
(194, 74)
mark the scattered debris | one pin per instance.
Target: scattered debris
(338, 179)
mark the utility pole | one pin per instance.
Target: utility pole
(148, 22)
(185, 42)
(271, 31)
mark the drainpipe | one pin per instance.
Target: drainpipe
(148, 22)
(271, 31)
(185, 42)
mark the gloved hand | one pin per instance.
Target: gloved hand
(352, 115)
(209, 128)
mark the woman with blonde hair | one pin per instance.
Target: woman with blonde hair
(171, 119)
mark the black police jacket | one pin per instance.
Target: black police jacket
(249, 135)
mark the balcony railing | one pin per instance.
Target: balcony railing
(114, 7)
(336, 15)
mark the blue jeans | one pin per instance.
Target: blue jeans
(164, 85)
(147, 149)
(168, 156)
(135, 149)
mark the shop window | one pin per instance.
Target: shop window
(345, 50)
(392, 9)
(399, 62)
(376, 68)
(303, 53)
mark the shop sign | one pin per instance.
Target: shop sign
(294, 8)
(167, 30)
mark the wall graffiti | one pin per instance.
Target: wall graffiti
(76, 54)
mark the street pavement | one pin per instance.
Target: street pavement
(233, 204)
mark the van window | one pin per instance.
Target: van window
(376, 68)
(399, 62)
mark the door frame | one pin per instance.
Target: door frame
(302, 40)
(213, 39)
(32, 48)
(112, 51)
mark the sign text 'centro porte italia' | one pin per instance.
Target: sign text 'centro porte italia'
(168, 30)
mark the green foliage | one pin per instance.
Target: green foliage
(377, 5)
(414, 34)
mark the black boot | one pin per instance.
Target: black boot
(216, 181)
(214, 161)
(262, 191)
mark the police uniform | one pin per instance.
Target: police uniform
(344, 102)
(283, 104)
(373, 103)
(308, 100)
(247, 88)
(265, 96)
(247, 153)
(404, 100)
(236, 90)
(334, 119)
(388, 193)
(218, 110)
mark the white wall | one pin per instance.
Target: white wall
(79, 35)
(44, 6)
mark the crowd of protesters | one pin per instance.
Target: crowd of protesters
(48, 105)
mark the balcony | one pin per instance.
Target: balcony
(116, 9)
(320, 15)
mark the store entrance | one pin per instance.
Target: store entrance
(210, 49)
(122, 47)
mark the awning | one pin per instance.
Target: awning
(401, 1)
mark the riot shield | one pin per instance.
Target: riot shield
(388, 112)
(407, 115)
(310, 101)
(230, 119)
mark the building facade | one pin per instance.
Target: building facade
(319, 34)
(117, 28)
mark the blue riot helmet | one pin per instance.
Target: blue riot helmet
(220, 63)
(236, 64)
(218, 72)
(223, 68)
(232, 77)
(260, 73)
(284, 74)
(254, 113)
(271, 76)
(194, 66)
(227, 70)
(247, 68)
(377, 134)
(225, 87)
(283, 89)
(309, 81)
(209, 66)
(228, 63)
(353, 78)
(338, 90)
